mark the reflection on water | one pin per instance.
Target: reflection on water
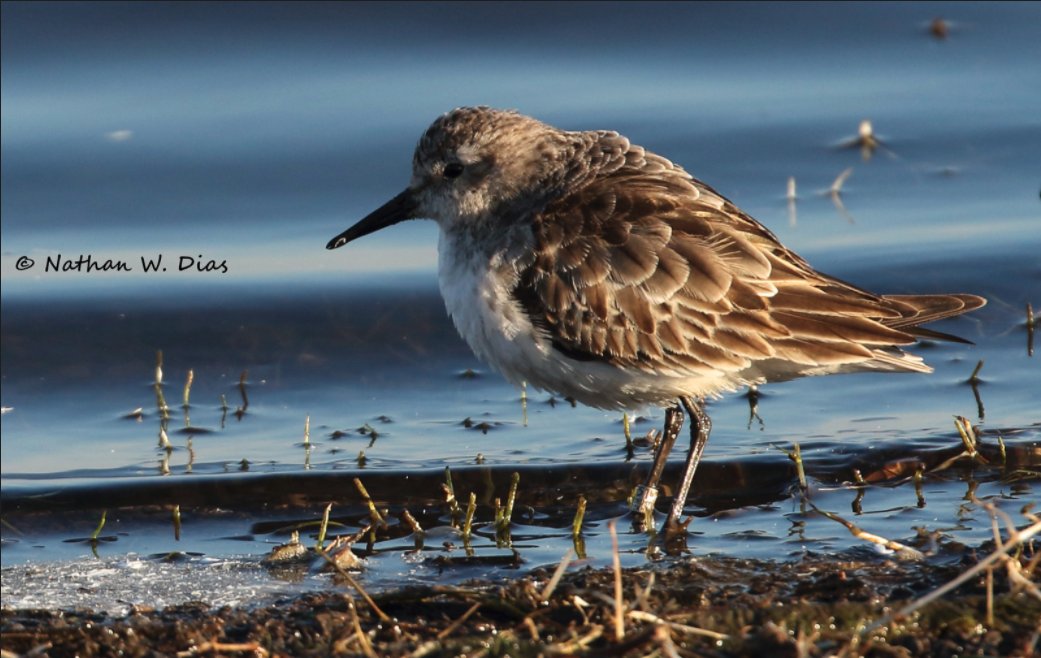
(249, 134)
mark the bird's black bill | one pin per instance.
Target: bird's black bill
(398, 209)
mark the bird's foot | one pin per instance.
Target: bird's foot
(674, 536)
(674, 527)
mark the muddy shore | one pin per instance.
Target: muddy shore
(701, 607)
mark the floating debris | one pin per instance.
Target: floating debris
(188, 387)
(340, 555)
(374, 514)
(866, 139)
(974, 378)
(835, 193)
(919, 477)
(177, 522)
(503, 521)
(1030, 329)
(840, 180)
(629, 448)
(101, 524)
(449, 491)
(324, 527)
(241, 411)
(164, 440)
(859, 533)
(791, 197)
(290, 552)
(411, 522)
(471, 507)
(974, 381)
(939, 28)
(866, 135)
(970, 437)
(580, 513)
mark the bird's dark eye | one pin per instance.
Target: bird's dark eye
(453, 170)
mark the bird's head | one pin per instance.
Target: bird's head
(471, 164)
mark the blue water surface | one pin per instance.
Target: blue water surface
(237, 138)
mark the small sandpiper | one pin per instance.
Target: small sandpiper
(590, 267)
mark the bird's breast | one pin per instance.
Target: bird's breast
(477, 283)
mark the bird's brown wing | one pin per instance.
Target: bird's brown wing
(647, 268)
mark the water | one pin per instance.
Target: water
(248, 135)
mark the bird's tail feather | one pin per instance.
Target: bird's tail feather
(921, 309)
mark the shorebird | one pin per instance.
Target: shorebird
(587, 266)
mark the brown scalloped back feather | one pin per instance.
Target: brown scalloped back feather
(644, 267)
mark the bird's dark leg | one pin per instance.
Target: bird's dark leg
(700, 426)
(646, 494)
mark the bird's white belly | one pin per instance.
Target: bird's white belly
(477, 295)
(477, 290)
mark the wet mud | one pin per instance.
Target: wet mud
(817, 606)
